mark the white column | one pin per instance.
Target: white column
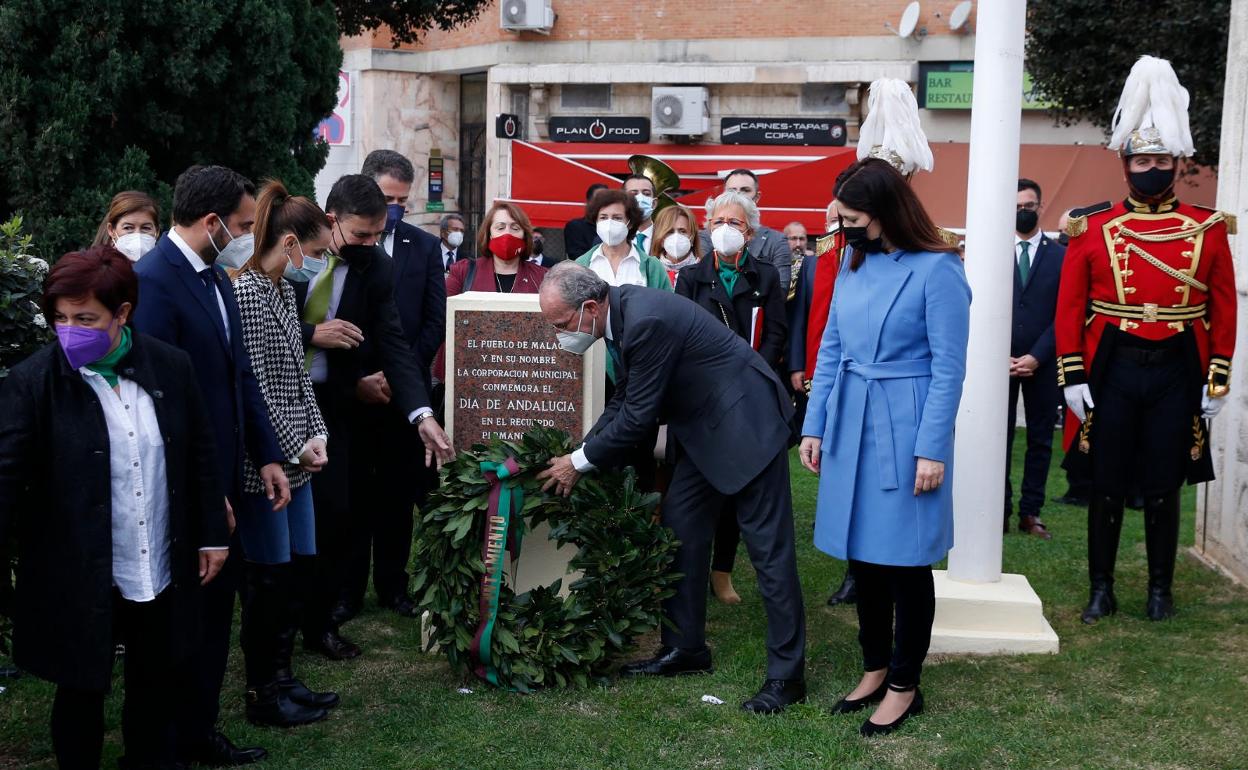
(979, 451)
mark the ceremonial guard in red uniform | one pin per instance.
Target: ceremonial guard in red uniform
(1145, 330)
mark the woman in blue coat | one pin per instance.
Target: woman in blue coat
(879, 427)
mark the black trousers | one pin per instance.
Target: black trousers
(896, 606)
(727, 539)
(1040, 400)
(389, 478)
(1142, 424)
(153, 679)
(201, 706)
(337, 525)
(765, 512)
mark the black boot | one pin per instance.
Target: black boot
(291, 687)
(1104, 528)
(268, 705)
(847, 593)
(1161, 541)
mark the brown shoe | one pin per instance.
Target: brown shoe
(1032, 525)
(721, 584)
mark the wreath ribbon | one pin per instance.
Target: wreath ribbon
(506, 499)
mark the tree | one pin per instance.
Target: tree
(1079, 55)
(125, 94)
(406, 19)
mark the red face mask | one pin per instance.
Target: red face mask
(507, 246)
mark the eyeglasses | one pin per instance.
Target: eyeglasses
(736, 224)
(1028, 206)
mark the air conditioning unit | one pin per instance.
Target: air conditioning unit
(679, 111)
(526, 15)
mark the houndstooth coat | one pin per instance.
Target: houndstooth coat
(271, 333)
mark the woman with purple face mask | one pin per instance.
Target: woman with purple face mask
(108, 480)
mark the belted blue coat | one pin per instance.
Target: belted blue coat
(885, 392)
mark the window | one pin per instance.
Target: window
(824, 97)
(585, 96)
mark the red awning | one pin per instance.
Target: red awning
(550, 189)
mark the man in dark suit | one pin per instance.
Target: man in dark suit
(1033, 367)
(767, 245)
(368, 362)
(580, 235)
(455, 243)
(188, 302)
(390, 474)
(729, 417)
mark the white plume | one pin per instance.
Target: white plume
(1152, 97)
(892, 122)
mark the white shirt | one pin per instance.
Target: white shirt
(319, 369)
(1031, 250)
(388, 243)
(579, 460)
(647, 236)
(629, 271)
(198, 265)
(140, 499)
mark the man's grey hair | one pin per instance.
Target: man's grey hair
(733, 198)
(381, 163)
(576, 284)
(444, 223)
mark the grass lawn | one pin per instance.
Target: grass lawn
(1126, 693)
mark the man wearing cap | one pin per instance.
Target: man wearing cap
(1145, 330)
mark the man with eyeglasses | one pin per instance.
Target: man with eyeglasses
(1033, 366)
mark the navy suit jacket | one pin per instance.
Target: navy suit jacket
(175, 307)
(419, 293)
(1035, 305)
(798, 309)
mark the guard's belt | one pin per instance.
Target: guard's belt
(1149, 313)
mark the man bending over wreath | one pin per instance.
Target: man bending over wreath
(729, 418)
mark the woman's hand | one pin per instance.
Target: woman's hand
(809, 452)
(313, 457)
(929, 475)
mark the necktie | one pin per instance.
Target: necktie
(209, 279)
(316, 307)
(1024, 262)
(450, 258)
(641, 242)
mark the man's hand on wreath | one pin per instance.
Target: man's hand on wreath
(561, 475)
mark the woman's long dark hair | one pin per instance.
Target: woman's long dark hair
(876, 188)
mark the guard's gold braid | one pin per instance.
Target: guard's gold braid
(1167, 234)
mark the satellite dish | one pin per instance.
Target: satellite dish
(961, 13)
(909, 20)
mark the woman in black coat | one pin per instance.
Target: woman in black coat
(108, 479)
(746, 295)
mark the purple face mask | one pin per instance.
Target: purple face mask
(83, 345)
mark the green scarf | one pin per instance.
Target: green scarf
(729, 273)
(105, 367)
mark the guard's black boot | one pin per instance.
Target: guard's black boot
(1161, 541)
(1104, 528)
(258, 631)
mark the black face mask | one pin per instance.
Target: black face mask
(353, 254)
(1152, 183)
(1025, 221)
(857, 239)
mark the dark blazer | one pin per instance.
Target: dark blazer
(579, 236)
(798, 310)
(722, 404)
(419, 294)
(174, 307)
(1035, 305)
(56, 494)
(756, 289)
(368, 302)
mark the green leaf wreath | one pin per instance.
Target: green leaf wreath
(541, 639)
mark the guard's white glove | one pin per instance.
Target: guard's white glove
(1210, 406)
(1079, 400)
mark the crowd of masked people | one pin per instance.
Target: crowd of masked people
(250, 398)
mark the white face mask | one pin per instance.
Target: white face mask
(135, 245)
(237, 251)
(612, 231)
(676, 246)
(727, 240)
(578, 342)
(455, 238)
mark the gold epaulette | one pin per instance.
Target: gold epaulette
(1077, 222)
(1076, 226)
(949, 237)
(1232, 222)
(824, 245)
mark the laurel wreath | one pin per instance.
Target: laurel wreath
(542, 639)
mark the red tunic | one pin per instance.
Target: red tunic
(826, 270)
(1152, 274)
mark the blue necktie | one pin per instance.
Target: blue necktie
(209, 278)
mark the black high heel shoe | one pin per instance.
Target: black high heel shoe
(851, 705)
(870, 728)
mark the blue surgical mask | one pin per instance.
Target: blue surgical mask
(647, 205)
(394, 215)
(312, 266)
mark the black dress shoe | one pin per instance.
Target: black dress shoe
(776, 696)
(847, 593)
(344, 611)
(333, 646)
(219, 751)
(404, 606)
(870, 728)
(299, 693)
(268, 706)
(850, 705)
(671, 661)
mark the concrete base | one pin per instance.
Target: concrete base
(1004, 618)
